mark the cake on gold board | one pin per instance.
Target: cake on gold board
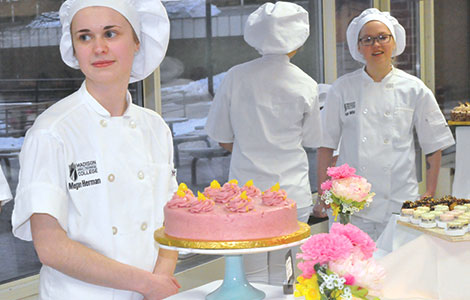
(230, 217)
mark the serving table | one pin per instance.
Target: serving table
(422, 265)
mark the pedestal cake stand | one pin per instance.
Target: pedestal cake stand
(235, 284)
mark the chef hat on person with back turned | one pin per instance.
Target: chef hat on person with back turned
(277, 28)
(149, 20)
(373, 14)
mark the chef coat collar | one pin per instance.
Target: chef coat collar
(97, 107)
(384, 80)
(276, 56)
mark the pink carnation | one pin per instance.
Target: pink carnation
(326, 186)
(342, 171)
(322, 248)
(357, 237)
(350, 280)
(307, 268)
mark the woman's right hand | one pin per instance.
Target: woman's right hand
(161, 286)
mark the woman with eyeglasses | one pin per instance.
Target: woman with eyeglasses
(375, 111)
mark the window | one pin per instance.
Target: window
(196, 64)
(407, 14)
(451, 23)
(346, 10)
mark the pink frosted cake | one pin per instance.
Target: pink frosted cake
(230, 213)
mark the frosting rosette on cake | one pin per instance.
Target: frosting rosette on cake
(213, 190)
(241, 203)
(227, 192)
(183, 197)
(202, 204)
(274, 196)
(251, 190)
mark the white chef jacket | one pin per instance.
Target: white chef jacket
(268, 108)
(375, 122)
(105, 179)
(5, 193)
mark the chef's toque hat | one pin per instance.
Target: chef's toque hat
(277, 28)
(149, 20)
(373, 14)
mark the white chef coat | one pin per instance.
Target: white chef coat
(105, 179)
(268, 108)
(5, 193)
(375, 122)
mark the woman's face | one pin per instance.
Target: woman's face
(376, 54)
(104, 44)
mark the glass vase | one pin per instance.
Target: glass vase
(344, 218)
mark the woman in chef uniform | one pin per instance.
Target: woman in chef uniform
(5, 193)
(96, 170)
(374, 111)
(266, 109)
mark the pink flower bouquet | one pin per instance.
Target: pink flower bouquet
(346, 192)
(339, 265)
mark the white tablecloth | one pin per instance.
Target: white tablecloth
(272, 293)
(199, 293)
(394, 236)
(461, 186)
(423, 266)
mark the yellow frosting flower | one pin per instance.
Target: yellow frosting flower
(244, 196)
(249, 183)
(276, 187)
(200, 196)
(180, 193)
(182, 187)
(215, 184)
(233, 181)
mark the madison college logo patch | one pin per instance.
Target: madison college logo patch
(73, 172)
(80, 173)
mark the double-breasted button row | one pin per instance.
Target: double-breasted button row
(104, 123)
(140, 175)
(143, 227)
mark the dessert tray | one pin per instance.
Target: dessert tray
(235, 285)
(437, 232)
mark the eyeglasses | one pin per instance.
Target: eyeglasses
(370, 40)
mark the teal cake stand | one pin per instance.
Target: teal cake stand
(235, 286)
